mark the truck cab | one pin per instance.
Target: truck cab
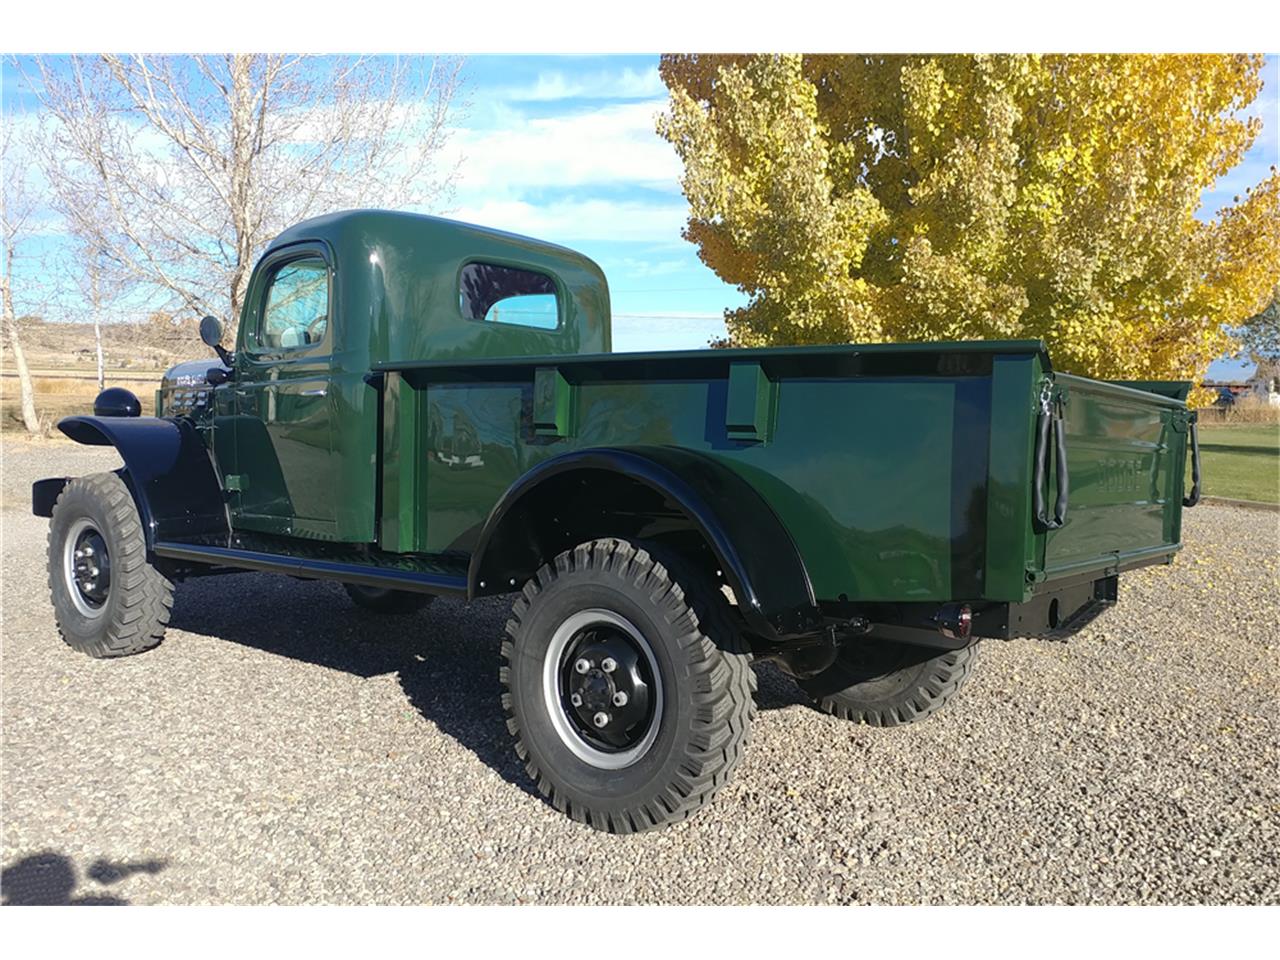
(296, 427)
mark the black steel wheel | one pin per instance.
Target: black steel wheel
(108, 600)
(884, 684)
(86, 566)
(385, 600)
(626, 685)
(603, 674)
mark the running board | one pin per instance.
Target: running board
(409, 573)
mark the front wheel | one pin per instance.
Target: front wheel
(885, 684)
(108, 600)
(626, 685)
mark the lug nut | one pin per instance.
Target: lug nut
(600, 719)
(620, 698)
(608, 664)
(575, 699)
(582, 666)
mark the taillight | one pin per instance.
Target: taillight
(955, 621)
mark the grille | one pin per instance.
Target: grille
(186, 402)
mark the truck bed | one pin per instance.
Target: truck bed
(903, 472)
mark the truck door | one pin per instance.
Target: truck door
(285, 463)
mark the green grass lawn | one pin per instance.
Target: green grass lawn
(1241, 461)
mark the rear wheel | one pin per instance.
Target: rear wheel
(384, 600)
(626, 686)
(884, 683)
(108, 600)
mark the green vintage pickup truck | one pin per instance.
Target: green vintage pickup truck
(417, 407)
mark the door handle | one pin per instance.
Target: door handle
(317, 392)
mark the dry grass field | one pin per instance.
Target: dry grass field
(63, 365)
(63, 393)
(1250, 409)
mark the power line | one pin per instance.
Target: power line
(668, 316)
(672, 290)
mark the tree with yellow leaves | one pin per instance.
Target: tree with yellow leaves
(866, 198)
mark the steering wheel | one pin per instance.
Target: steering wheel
(312, 336)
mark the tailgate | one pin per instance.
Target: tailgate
(1126, 448)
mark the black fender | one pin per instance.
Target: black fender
(167, 468)
(754, 549)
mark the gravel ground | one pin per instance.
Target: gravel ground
(281, 747)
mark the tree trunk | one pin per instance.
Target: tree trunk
(242, 149)
(10, 317)
(28, 394)
(97, 337)
(95, 301)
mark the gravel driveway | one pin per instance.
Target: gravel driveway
(283, 747)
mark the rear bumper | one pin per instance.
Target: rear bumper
(1053, 614)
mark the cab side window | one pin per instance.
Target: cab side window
(296, 312)
(496, 294)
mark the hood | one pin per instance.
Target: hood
(189, 373)
(184, 390)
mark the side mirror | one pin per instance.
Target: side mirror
(211, 331)
(211, 334)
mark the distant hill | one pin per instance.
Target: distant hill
(63, 364)
(54, 346)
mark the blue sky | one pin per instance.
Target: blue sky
(564, 149)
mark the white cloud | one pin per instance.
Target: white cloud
(610, 145)
(626, 84)
(631, 334)
(578, 220)
(651, 268)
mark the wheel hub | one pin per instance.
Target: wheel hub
(88, 567)
(606, 684)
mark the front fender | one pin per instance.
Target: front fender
(167, 468)
(755, 550)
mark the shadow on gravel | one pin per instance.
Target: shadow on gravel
(450, 676)
(776, 691)
(50, 880)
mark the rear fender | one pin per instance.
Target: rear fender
(167, 468)
(753, 548)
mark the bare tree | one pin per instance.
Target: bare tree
(98, 283)
(93, 271)
(17, 214)
(179, 170)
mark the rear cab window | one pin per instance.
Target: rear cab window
(492, 293)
